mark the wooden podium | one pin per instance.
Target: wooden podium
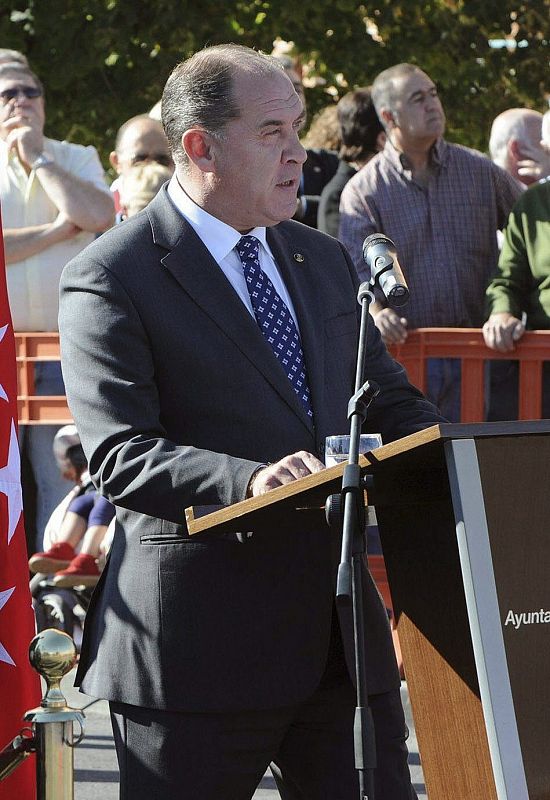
(464, 519)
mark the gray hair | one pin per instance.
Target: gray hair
(383, 91)
(515, 123)
(199, 91)
(8, 56)
(17, 68)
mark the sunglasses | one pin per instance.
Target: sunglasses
(30, 92)
(160, 158)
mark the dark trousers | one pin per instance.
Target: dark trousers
(501, 393)
(166, 755)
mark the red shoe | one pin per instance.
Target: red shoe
(82, 571)
(57, 557)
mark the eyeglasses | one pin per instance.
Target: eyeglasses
(161, 158)
(30, 92)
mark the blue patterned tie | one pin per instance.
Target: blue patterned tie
(275, 320)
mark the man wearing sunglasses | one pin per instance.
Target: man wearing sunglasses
(54, 201)
(140, 140)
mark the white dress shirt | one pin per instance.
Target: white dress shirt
(33, 282)
(221, 239)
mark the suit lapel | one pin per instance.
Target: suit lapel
(190, 263)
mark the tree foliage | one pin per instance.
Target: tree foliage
(103, 61)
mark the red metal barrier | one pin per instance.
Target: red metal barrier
(464, 343)
(34, 409)
(467, 344)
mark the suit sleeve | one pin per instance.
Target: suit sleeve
(109, 376)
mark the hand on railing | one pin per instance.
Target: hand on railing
(392, 327)
(502, 331)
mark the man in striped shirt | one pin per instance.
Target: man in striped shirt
(442, 205)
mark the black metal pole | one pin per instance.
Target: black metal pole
(349, 587)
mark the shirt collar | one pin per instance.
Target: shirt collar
(217, 236)
(400, 161)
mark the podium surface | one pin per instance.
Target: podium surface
(464, 519)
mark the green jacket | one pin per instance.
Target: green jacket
(522, 282)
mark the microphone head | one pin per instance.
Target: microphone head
(380, 256)
(372, 241)
(396, 293)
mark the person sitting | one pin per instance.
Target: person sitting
(77, 526)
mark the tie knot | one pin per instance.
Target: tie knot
(248, 247)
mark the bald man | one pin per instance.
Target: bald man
(515, 145)
(140, 140)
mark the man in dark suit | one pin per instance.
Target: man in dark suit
(221, 654)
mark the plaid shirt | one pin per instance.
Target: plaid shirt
(445, 232)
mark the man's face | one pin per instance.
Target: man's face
(16, 109)
(143, 141)
(418, 115)
(257, 162)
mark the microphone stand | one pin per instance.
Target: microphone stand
(347, 510)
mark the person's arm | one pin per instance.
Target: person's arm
(502, 331)
(81, 201)
(358, 220)
(131, 459)
(400, 409)
(89, 208)
(392, 327)
(507, 293)
(21, 243)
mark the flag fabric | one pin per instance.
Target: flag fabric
(19, 683)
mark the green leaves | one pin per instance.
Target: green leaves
(103, 61)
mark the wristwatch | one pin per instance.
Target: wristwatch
(43, 160)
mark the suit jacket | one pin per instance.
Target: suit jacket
(178, 399)
(328, 214)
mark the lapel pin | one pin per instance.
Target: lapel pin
(298, 257)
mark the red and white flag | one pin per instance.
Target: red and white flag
(19, 683)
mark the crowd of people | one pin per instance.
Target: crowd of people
(193, 387)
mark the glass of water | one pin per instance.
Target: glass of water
(337, 447)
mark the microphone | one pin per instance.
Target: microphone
(380, 256)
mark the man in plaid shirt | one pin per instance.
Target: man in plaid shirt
(442, 205)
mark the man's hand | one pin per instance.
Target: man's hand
(502, 331)
(392, 327)
(288, 469)
(25, 137)
(533, 169)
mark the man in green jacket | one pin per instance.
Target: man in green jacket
(519, 294)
